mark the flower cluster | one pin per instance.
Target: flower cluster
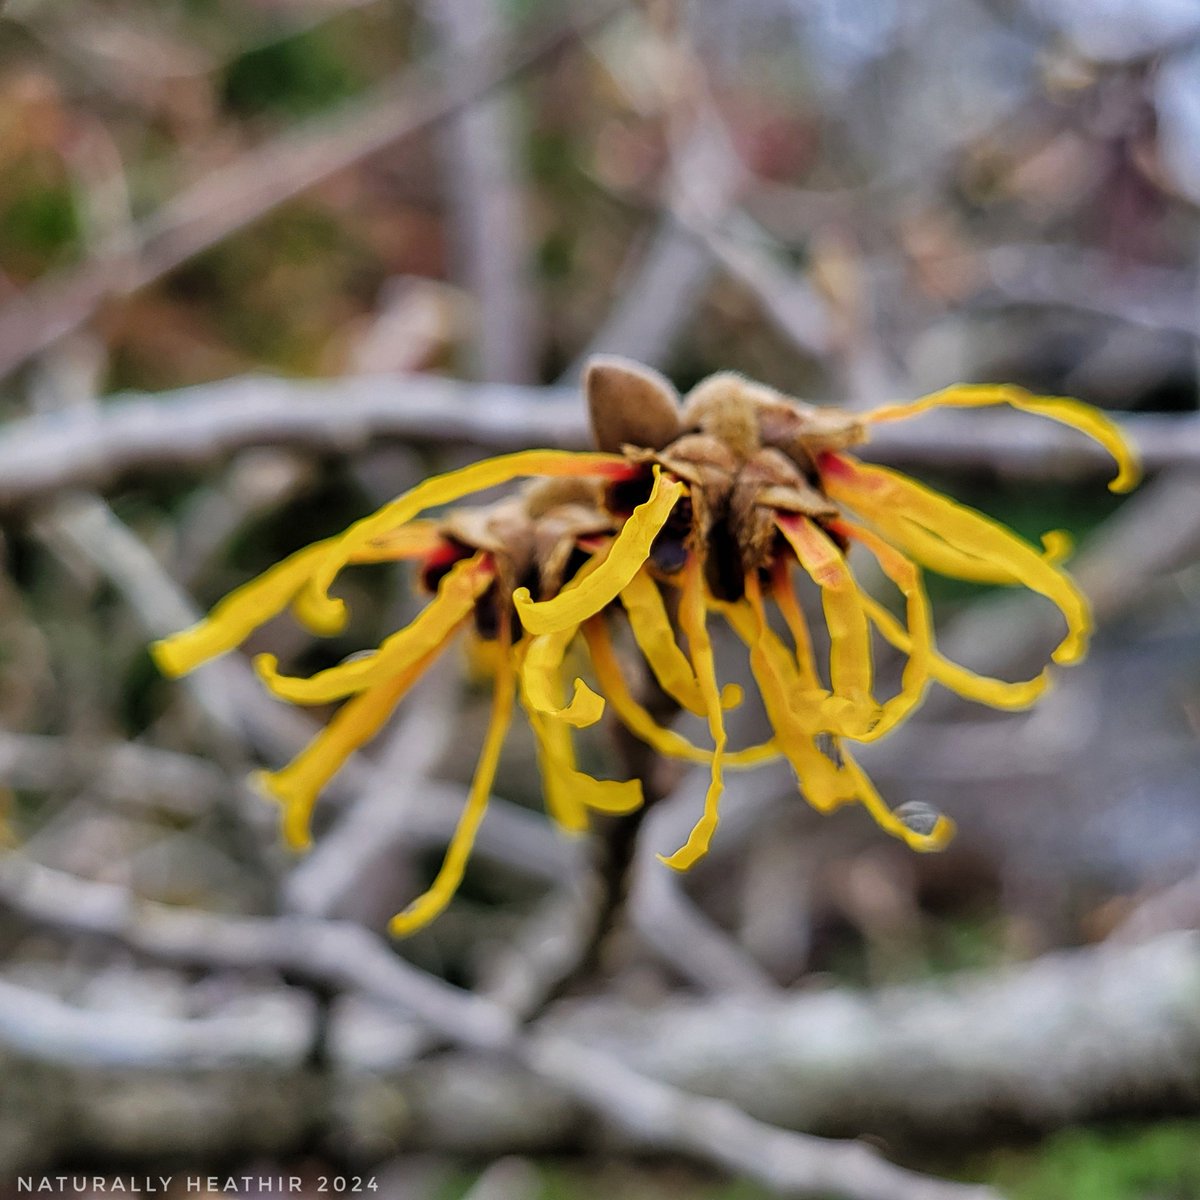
(719, 503)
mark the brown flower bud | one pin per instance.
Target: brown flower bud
(630, 405)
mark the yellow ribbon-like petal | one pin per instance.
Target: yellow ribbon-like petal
(541, 665)
(850, 671)
(253, 604)
(794, 619)
(556, 764)
(693, 621)
(439, 894)
(811, 704)
(917, 671)
(936, 839)
(996, 693)
(541, 682)
(569, 792)
(442, 489)
(880, 494)
(239, 614)
(957, 562)
(298, 785)
(822, 782)
(461, 586)
(641, 723)
(586, 595)
(416, 540)
(1074, 413)
(655, 638)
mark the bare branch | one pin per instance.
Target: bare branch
(482, 151)
(649, 1111)
(198, 426)
(123, 771)
(1071, 1035)
(655, 302)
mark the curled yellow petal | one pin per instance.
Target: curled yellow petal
(239, 614)
(879, 494)
(655, 638)
(850, 670)
(298, 785)
(586, 595)
(794, 619)
(568, 791)
(460, 587)
(793, 720)
(541, 682)
(416, 540)
(693, 621)
(997, 693)
(938, 838)
(958, 562)
(1057, 546)
(439, 894)
(641, 723)
(1077, 415)
(441, 489)
(918, 669)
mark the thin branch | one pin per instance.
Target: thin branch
(44, 1028)
(490, 239)
(1162, 299)
(197, 426)
(122, 771)
(655, 301)
(679, 932)
(226, 692)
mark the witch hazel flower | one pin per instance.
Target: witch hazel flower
(724, 504)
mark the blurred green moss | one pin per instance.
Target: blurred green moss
(39, 225)
(294, 76)
(1153, 1162)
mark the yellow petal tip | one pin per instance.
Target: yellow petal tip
(674, 861)
(1057, 546)
(1129, 475)
(586, 707)
(1070, 651)
(405, 923)
(266, 667)
(326, 616)
(166, 657)
(936, 840)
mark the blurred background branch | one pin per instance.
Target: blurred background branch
(203, 425)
